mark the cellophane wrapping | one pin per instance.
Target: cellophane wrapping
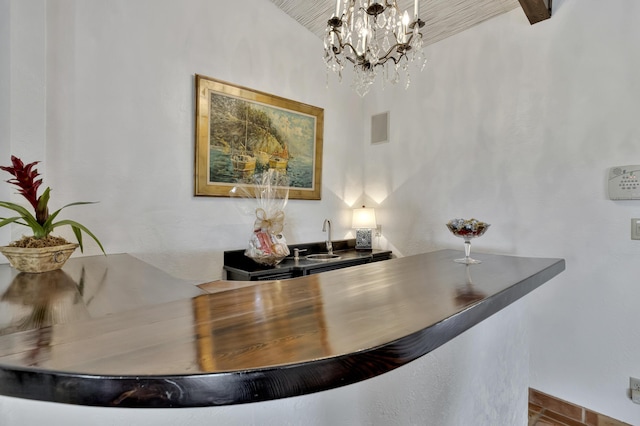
(270, 189)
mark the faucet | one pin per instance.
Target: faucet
(326, 227)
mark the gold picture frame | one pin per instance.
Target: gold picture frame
(241, 132)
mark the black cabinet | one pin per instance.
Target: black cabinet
(238, 267)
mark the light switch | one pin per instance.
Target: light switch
(635, 229)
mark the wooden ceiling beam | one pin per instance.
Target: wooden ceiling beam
(536, 10)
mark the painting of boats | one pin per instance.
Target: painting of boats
(246, 132)
(262, 158)
(278, 163)
(257, 138)
(243, 163)
(279, 160)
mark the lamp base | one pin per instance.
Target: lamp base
(363, 239)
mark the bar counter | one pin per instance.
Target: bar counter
(113, 331)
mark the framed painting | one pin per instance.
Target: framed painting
(241, 132)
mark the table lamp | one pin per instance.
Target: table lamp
(364, 219)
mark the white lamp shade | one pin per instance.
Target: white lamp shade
(364, 218)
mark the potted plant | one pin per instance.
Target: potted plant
(41, 251)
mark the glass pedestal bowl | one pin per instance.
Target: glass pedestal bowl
(467, 230)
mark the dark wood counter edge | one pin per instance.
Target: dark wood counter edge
(218, 389)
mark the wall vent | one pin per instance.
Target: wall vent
(380, 128)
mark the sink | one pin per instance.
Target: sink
(322, 257)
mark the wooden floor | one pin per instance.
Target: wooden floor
(546, 410)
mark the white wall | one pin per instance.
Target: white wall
(5, 90)
(516, 125)
(103, 92)
(23, 85)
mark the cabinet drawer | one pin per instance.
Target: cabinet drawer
(334, 266)
(277, 276)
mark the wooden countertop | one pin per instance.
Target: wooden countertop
(113, 331)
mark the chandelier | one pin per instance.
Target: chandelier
(374, 35)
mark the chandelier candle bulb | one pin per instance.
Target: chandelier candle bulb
(338, 8)
(405, 26)
(415, 10)
(364, 40)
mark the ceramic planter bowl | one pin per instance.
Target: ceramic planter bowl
(36, 260)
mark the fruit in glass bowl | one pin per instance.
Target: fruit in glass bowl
(467, 229)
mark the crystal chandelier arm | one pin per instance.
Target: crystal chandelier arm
(383, 60)
(360, 57)
(401, 48)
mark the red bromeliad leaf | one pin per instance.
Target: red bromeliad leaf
(25, 179)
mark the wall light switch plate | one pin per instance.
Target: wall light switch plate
(635, 229)
(634, 384)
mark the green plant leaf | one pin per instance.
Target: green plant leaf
(77, 228)
(24, 213)
(48, 225)
(78, 234)
(7, 220)
(53, 215)
(42, 211)
(44, 229)
(44, 199)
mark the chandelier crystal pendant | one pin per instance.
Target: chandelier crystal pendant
(374, 35)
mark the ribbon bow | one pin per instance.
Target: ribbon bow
(273, 225)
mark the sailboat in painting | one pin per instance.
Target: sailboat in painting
(279, 160)
(243, 162)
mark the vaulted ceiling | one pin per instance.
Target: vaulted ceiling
(443, 18)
